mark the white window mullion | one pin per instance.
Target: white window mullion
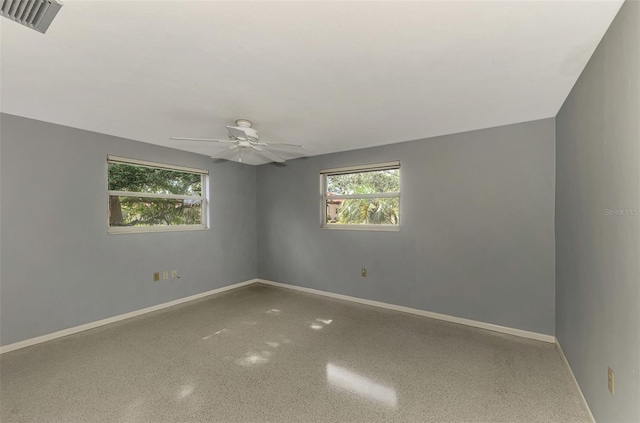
(154, 195)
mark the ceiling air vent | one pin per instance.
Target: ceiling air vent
(35, 14)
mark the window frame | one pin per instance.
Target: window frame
(204, 198)
(350, 170)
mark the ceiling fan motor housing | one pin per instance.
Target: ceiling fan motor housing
(243, 131)
(245, 123)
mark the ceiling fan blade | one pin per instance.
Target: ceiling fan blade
(199, 139)
(224, 153)
(269, 154)
(281, 144)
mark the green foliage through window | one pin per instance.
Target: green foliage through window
(126, 177)
(375, 181)
(138, 196)
(369, 197)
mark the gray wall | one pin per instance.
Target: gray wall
(61, 269)
(476, 237)
(597, 271)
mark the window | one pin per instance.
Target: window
(152, 197)
(361, 197)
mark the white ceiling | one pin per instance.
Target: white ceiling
(330, 75)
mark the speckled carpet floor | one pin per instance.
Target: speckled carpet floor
(266, 354)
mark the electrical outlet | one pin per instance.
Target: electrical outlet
(165, 274)
(174, 274)
(612, 381)
(364, 272)
(156, 276)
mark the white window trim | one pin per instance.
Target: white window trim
(129, 161)
(119, 230)
(361, 168)
(355, 169)
(372, 228)
(204, 199)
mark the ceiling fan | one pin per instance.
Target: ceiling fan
(244, 136)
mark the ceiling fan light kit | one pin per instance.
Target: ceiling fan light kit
(242, 136)
(245, 123)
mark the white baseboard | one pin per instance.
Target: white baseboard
(87, 326)
(575, 381)
(445, 317)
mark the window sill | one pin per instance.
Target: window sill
(371, 228)
(120, 230)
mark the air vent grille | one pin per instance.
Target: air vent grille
(35, 14)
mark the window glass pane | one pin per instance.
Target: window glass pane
(125, 177)
(364, 182)
(363, 211)
(140, 211)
